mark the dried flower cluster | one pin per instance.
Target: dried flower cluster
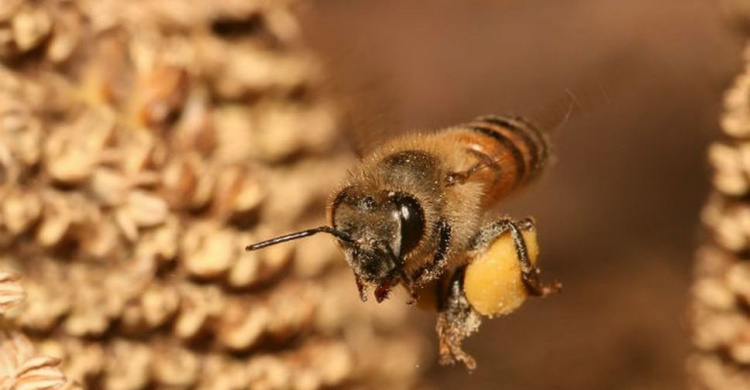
(143, 144)
(721, 292)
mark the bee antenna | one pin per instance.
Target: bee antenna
(572, 106)
(305, 233)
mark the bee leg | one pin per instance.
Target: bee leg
(456, 321)
(410, 287)
(529, 272)
(454, 178)
(432, 270)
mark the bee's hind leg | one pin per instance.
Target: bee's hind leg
(456, 321)
(529, 272)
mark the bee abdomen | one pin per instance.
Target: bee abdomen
(514, 151)
(525, 136)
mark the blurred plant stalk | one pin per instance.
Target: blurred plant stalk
(720, 310)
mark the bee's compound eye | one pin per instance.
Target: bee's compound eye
(411, 219)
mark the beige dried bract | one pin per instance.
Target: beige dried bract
(729, 221)
(66, 37)
(238, 194)
(209, 251)
(22, 369)
(243, 324)
(160, 94)
(200, 309)
(736, 119)
(70, 159)
(732, 165)
(20, 211)
(11, 292)
(47, 301)
(30, 26)
(738, 11)
(177, 367)
(9, 8)
(128, 365)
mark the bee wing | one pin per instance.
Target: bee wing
(368, 102)
(365, 129)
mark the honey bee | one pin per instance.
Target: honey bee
(414, 213)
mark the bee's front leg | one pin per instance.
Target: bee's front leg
(456, 321)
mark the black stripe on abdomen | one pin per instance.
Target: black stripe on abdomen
(518, 159)
(526, 131)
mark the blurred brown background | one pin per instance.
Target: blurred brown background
(618, 211)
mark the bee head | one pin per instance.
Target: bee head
(376, 232)
(384, 228)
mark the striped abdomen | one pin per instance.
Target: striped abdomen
(511, 151)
